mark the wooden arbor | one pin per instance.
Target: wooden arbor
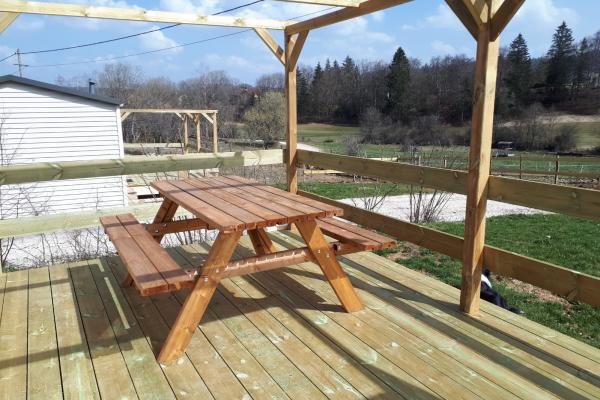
(484, 19)
(195, 116)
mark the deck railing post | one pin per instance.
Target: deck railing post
(479, 167)
(291, 134)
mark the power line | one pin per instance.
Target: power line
(101, 60)
(7, 57)
(129, 36)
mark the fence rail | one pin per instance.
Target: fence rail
(576, 202)
(39, 172)
(575, 286)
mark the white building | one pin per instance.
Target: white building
(40, 122)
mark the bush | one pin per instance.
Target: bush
(565, 140)
(266, 119)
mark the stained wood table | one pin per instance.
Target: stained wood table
(231, 205)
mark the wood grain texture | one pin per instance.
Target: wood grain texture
(325, 258)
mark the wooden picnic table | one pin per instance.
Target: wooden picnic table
(231, 205)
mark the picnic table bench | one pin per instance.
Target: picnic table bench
(231, 205)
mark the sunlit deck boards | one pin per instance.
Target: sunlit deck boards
(71, 330)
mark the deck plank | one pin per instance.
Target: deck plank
(184, 379)
(544, 368)
(77, 372)
(526, 372)
(42, 348)
(13, 337)
(147, 376)
(277, 334)
(111, 371)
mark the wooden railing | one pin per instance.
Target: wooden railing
(28, 173)
(582, 203)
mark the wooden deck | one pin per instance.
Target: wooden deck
(70, 331)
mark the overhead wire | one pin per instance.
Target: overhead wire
(101, 60)
(132, 35)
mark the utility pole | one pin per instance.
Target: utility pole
(21, 65)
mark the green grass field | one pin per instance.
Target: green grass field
(330, 138)
(561, 240)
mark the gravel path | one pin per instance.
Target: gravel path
(454, 210)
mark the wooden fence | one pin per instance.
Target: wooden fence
(29, 173)
(581, 203)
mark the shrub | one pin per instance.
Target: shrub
(266, 119)
(565, 140)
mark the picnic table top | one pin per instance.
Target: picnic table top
(233, 203)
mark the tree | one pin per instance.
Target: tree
(560, 58)
(398, 80)
(266, 119)
(518, 76)
(582, 68)
(303, 93)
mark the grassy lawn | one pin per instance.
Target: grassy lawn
(561, 240)
(588, 135)
(342, 190)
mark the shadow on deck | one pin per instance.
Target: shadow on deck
(70, 331)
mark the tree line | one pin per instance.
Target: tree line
(401, 101)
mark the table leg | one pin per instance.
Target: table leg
(325, 257)
(261, 242)
(197, 301)
(165, 213)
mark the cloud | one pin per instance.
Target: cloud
(443, 48)
(29, 24)
(378, 16)
(443, 18)
(546, 12)
(357, 30)
(158, 40)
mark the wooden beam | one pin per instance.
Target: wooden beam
(465, 16)
(335, 3)
(437, 178)
(366, 7)
(205, 115)
(271, 43)
(215, 134)
(7, 18)
(198, 121)
(292, 63)
(479, 10)
(186, 138)
(504, 15)
(183, 225)
(291, 133)
(486, 71)
(576, 286)
(125, 115)
(133, 165)
(131, 14)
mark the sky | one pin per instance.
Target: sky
(424, 28)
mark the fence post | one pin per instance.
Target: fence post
(556, 169)
(520, 166)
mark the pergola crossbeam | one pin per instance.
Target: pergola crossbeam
(271, 43)
(479, 9)
(7, 18)
(366, 7)
(131, 14)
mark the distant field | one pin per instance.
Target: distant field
(330, 138)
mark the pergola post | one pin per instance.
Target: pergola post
(479, 165)
(185, 135)
(291, 134)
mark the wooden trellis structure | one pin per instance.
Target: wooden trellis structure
(484, 20)
(186, 116)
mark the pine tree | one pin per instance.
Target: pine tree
(583, 63)
(518, 77)
(560, 58)
(303, 95)
(398, 79)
